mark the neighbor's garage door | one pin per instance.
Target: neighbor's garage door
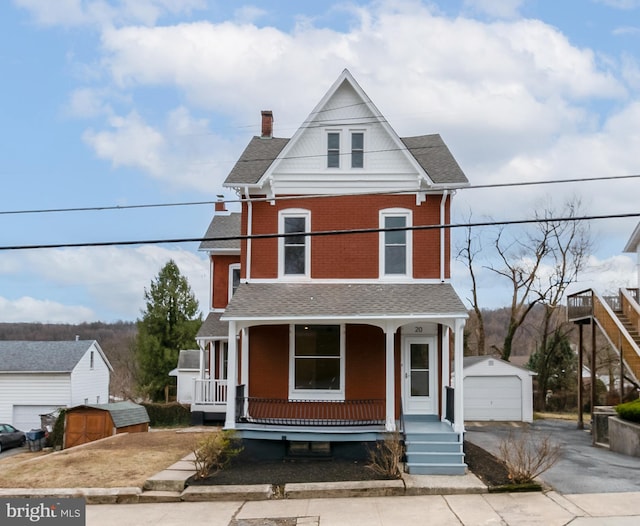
(27, 417)
(492, 398)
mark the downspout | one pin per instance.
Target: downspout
(445, 194)
(249, 232)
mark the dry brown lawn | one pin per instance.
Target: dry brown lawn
(122, 460)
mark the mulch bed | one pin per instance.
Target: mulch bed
(483, 464)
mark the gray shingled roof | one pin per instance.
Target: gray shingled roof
(429, 150)
(123, 414)
(435, 158)
(189, 359)
(293, 300)
(35, 356)
(254, 161)
(212, 327)
(223, 226)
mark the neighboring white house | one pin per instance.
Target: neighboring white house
(38, 377)
(497, 390)
(186, 373)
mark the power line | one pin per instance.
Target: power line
(311, 196)
(318, 233)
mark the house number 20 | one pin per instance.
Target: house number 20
(417, 329)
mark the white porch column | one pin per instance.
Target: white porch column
(232, 377)
(445, 369)
(457, 367)
(244, 353)
(390, 406)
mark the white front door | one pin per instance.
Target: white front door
(418, 366)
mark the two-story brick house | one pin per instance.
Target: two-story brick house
(333, 320)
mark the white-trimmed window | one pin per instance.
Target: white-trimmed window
(357, 149)
(343, 142)
(333, 149)
(395, 243)
(234, 278)
(294, 251)
(316, 369)
(224, 359)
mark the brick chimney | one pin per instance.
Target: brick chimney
(267, 124)
(220, 204)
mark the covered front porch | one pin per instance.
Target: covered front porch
(343, 357)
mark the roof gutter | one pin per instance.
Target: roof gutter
(443, 202)
(249, 233)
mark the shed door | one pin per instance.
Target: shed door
(27, 417)
(492, 398)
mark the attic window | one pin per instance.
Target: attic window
(91, 361)
(333, 150)
(357, 150)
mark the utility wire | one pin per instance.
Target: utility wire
(311, 196)
(318, 233)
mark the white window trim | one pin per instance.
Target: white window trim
(294, 212)
(340, 133)
(223, 349)
(232, 267)
(408, 215)
(364, 148)
(345, 151)
(315, 394)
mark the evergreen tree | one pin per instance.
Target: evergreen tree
(169, 323)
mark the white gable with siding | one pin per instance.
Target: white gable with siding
(39, 377)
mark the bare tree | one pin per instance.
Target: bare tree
(539, 264)
(471, 248)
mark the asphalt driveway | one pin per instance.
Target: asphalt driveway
(583, 468)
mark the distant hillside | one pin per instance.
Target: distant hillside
(115, 339)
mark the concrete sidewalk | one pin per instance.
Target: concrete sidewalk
(548, 509)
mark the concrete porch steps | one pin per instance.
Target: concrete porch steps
(432, 447)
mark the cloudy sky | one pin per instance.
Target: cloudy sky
(125, 102)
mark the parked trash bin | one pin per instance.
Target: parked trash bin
(35, 439)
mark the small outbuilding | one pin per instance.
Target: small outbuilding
(86, 423)
(495, 389)
(186, 373)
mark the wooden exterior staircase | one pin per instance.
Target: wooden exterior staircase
(618, 317)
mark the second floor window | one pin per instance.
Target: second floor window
(234, 278)
(294, 249)
(395, 243)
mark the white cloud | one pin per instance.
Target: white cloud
(183, 152)
(27, 309)
(496, 8)
(249, 14)
(620, 4)
(112, 278)
(70, 13)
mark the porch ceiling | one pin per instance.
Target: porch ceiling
(271, 301)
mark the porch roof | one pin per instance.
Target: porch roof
(280, 301)
(213, 328)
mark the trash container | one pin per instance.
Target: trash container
(35, 439)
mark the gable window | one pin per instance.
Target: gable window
(317, 361)
(91, 360)
(395, 243)
(295, 250)
(357, 150)
(333, 150)
(234, 278)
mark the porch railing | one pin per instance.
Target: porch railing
(449, 404)
(277, 411)
(209, 392)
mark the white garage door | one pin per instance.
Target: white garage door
(27, 417)
(492, 398)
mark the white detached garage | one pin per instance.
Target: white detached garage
(38, 377)
(497, 390)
